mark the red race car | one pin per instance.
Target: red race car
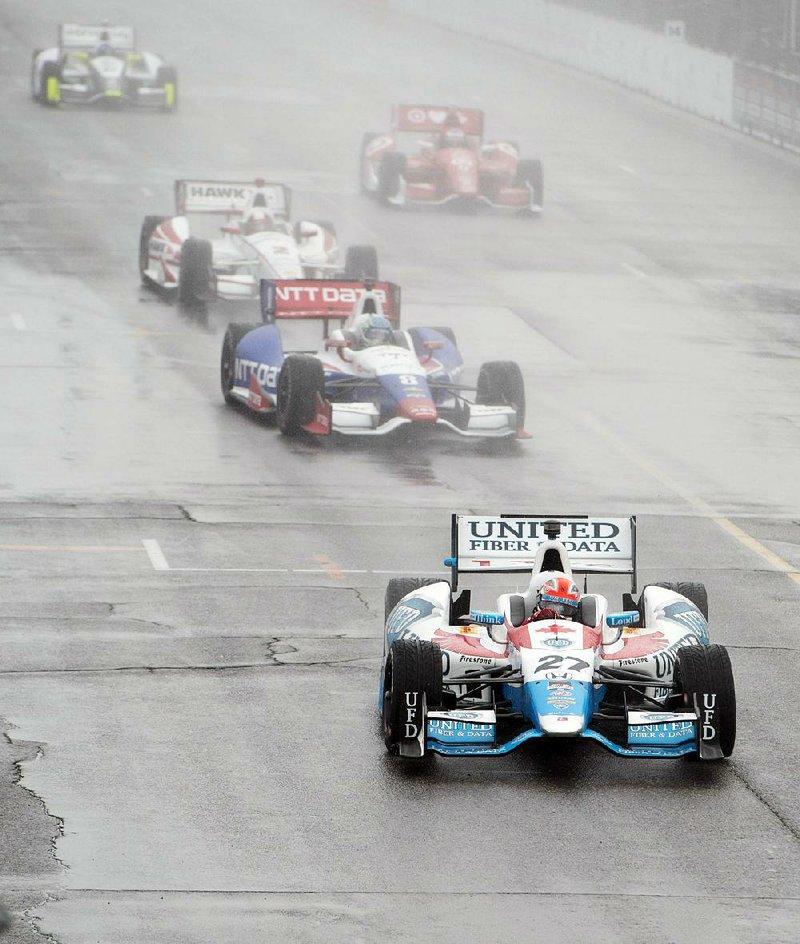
(451, 163)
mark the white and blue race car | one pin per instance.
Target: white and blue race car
(409, 378)
(644, 682)
(93, 64)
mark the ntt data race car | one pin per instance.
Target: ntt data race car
(451, 162)
(644, 682)
(255, 241)
(369, 377)
(101, 64)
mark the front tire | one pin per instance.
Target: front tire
(390, 177)
(413, 670)
(51, 84)
(167, 78)
(530, 174)
(300, 383)
(361, 262)
(227, 363)
(148, 227)
(196, 283)
(500, 383)
(704, 674)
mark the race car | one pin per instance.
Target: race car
(255, 241)
(643, 682)
(452, 164)
(101, 64)
(369, 377)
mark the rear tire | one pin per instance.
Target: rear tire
(361, 262)
(227, 364)
(36, 96)
(706, 670)
(196, 283)
(398, 587)
(413, 668)
(500, 383)
(301, 380)
(390, 176)
(148, 227)
(696, 592)
(531, 174)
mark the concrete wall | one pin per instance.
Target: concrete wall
(693, 79)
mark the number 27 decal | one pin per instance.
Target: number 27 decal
(558, 662)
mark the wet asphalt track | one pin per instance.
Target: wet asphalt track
(205, 734)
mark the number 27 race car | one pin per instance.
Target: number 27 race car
(552, 662)
(369, 377)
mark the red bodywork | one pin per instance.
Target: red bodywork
(441, 172)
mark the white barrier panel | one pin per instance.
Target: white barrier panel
(690, 78)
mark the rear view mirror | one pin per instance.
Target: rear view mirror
(431, 346)
(306, 232)
(615, 625)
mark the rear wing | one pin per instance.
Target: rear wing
(231, 197)
(423, 118)
(326, 299)
(508, 543)
(73, 36)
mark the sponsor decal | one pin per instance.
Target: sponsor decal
(265, 374)
(567, 663)
(221, 193)
(479, 659)
(665, 661)
(451, 729)
(644, 644)
(406, 613)
(316, 294)
(557, 642)
(412, 706)
(481, 616)
(465, 645)
(526, 535)
(708, 729)
(629, 618)
(689, 617)
(670, 732)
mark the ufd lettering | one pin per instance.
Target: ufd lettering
(709, 705)
(412, 728)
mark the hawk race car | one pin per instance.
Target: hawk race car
(451, 164)
(256, 241)
(410, 378)
(100, 64)
(643, 682)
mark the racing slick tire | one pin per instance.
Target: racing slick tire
(390, 176)
(167, 78)
(696, 592)
(227, 375)
(531, 174)
(148, 226)
(35, 95)
(300, 382)
(706, 671)
(447, 333)
(196, 275)
(51, 84)
(361, 262)
(500, 383)
(413, 668)
(398, 587)
(362, 160)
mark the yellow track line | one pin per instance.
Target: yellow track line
(745, 539)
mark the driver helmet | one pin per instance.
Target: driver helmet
(560, 594)
(372, 330)
(104, 49)
(453, 137)
(259, 220)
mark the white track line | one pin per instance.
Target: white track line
(634, 271)
(155, 554)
